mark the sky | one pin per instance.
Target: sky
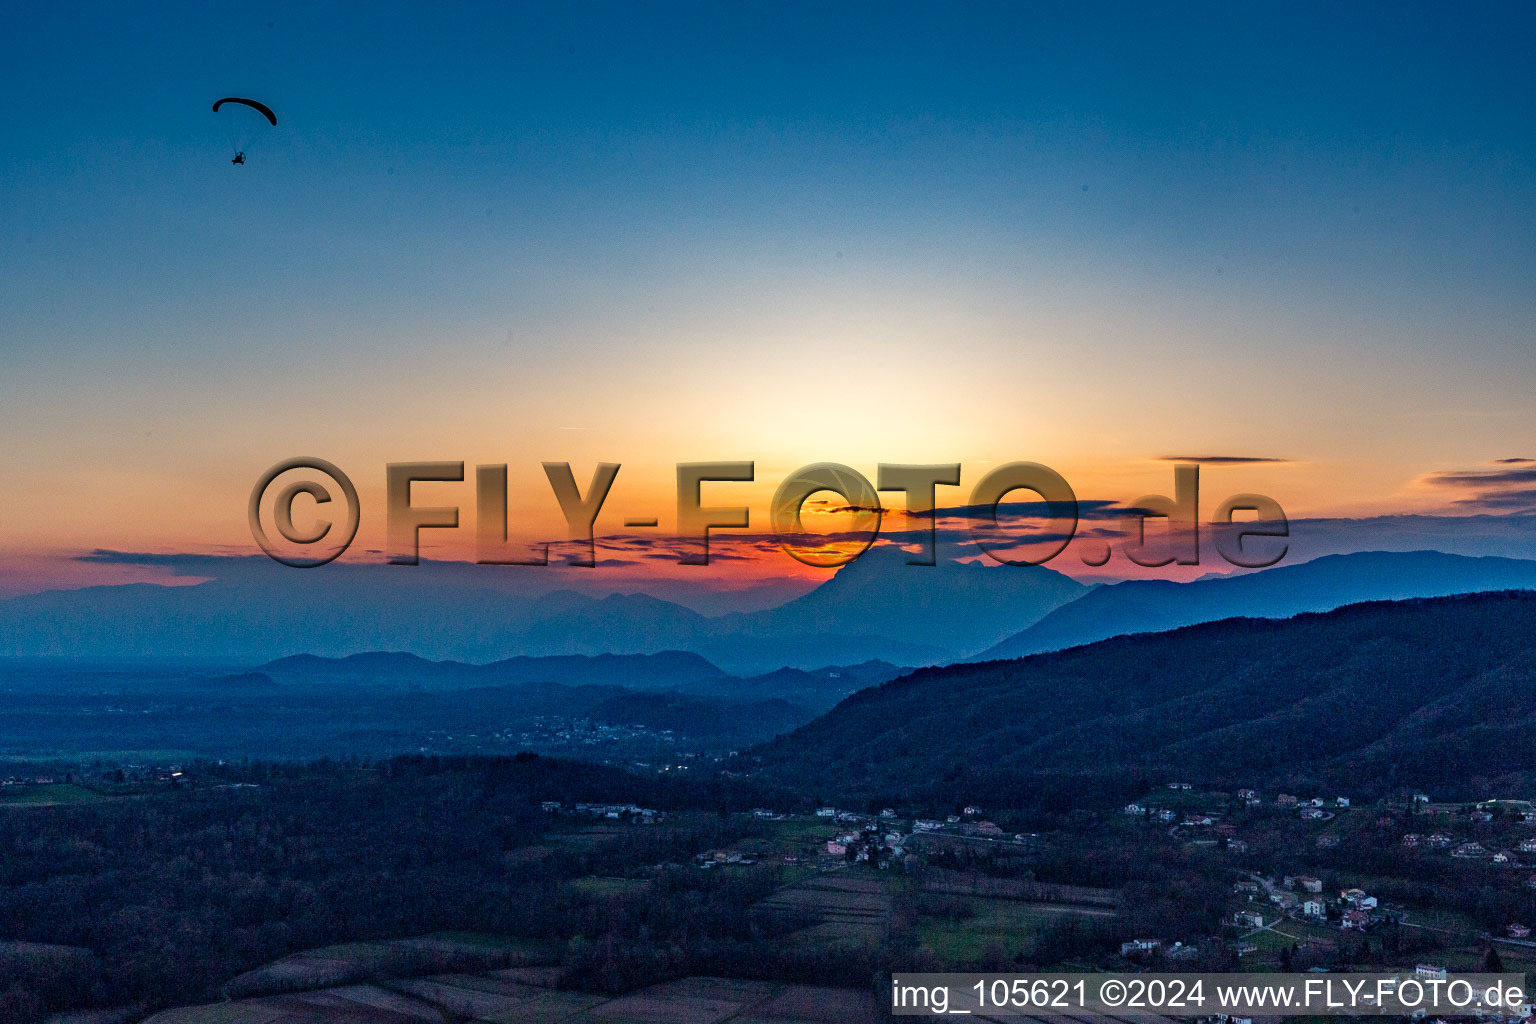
(1090, 236)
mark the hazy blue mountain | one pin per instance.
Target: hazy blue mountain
(953, 606)
(703, 718)
(1143, 606)
(667, 670)
(253, 610)
(1438, 694)
(252, 616)
(817, 689)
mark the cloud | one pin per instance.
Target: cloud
(1482, 478)
(1521, 500)
(1491, 490)
(1223, 460)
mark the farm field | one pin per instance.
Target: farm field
(367, 961)
(603, 887)
(850, 907)
(513, 996)
(990, 924)
(52, 795)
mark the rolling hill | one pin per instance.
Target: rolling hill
(1146, 606)
(1429, 693)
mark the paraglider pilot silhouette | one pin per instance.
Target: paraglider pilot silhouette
(256, 105)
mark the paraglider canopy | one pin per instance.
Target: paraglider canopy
(256, 105)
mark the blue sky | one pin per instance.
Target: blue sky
(1086, 235)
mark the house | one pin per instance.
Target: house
(1165, 815)
(924, 825)
(1327, 842)
(1358, 898)
(1246, 794)
(1412, 839)
(1469, 850)
(1528, 846)
(971, 810)
(1245, 885)
(826, 812)
(987, 828)
(550, 806)
(1518, 931)
(836, 848)
(1420, 798)
(1285, 800)
(1198, 819)
(1139, 946)
(1439, 840)
(1314, 908)
(1341, 801)
(1248, 919)
(1310, 884)
(1355, 919)
(1236, 846)
(1504, 858)
(1429, 971)
(888, 812)
(1135, 809)
(1316, 801)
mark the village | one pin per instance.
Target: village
(1279, 913)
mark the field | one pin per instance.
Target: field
(519, 996)
(850, 907)
(55, 794)
(992, 923)
(1001, 913)
(370, 961)
(608, 887)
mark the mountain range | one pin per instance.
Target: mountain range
(1147, 606)
(876, 609)
(1366, 699)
